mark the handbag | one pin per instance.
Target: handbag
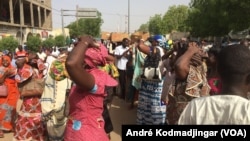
(3, 90)
(151, 69)
(32, 87)
(152, 73)
(56, 125)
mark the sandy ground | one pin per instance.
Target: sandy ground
(120, 114)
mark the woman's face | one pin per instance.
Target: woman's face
(20, 62)
(211, 59)
(5, 62)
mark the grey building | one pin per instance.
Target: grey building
(23, 18)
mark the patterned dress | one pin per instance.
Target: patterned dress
(181, 92)
(86, 122)
(8, 104)
(151, 110)
(215, 84)
(29, 125)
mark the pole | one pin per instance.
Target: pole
(128, 17)
(77, 16)
(62, 23)
(21, 21)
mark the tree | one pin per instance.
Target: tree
(144, 27)
(34, 43)
(8, 43)
(60, 41)
(218, 17)
(85, 26)
(175, 19)
(49, 42)
(155, 25)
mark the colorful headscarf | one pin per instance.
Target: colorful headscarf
(10, 67)
(24, 73)
(58, 70)
(95, 57)
(161, 40)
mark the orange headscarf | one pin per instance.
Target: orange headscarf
(10, 67)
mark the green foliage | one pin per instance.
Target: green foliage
(49, 42)
(155, 25)
(218, 17)
(74, 29)
(8, 43)
(60, 41)
(33, 43)
(175, 19)
(68, 41)
(86, 26)
(144, 27)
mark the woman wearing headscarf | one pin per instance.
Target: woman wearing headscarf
(8, 103)
(151, 110)
(86, 122)
(29, 125)
(190, 79)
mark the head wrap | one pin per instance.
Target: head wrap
(12, 69)
(95, 57)
(161, 40)
(24, 73)
(6, 57)
(58, 70)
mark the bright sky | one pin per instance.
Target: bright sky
(114, 12)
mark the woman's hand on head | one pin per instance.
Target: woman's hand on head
(89, 41)
(193, 47)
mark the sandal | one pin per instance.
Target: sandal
(1, 134)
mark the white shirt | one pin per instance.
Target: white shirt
(70, 48)
(217, 109)
(56, 52)
(122, 62)
(48, 63)
(41, 55)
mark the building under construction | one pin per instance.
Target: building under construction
(24, 18)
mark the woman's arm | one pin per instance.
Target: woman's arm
(183, 62)
(144, 48)
(75, 65)
(6, 74)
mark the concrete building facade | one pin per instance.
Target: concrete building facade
(24, 18)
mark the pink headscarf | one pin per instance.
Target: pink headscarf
(95, 57)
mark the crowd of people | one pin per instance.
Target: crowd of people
(192, 83)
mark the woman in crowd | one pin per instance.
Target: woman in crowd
(8, 103)
(231, 106)
(151, 110)
(190, 81)
(28, 123)
(86, 99)
(212, 74)
(168, 62)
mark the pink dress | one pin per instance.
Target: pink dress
(215, 85)
(86, 122)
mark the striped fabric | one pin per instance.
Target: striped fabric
(151, 111)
